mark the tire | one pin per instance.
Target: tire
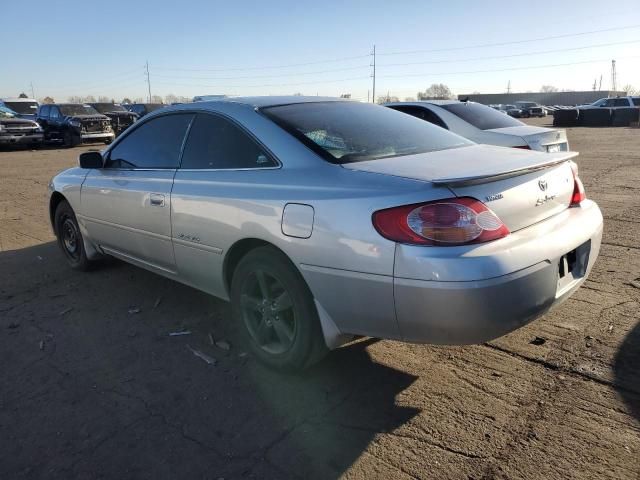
(69, 139)
(276, 311)
(70, 238)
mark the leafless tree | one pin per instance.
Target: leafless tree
(548, 89)
(47, 100)
(23, 95)
(409, 99)
(437, 91)
(387, 98)
(156, 99)
(630, 90)
(171, 98)
(126, 100)
(103, 99)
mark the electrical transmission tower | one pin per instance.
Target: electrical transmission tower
(148, 79)
(614, 78)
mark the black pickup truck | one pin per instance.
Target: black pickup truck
(74, 123)
(120, 117)
(531, 109)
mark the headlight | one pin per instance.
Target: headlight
(75, 123)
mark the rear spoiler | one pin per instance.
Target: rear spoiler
(553, 159)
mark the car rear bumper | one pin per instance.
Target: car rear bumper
(475, 310)
(21, 139)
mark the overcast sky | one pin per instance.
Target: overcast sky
(197, 47)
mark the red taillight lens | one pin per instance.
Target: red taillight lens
(455, 221)
(578, 188)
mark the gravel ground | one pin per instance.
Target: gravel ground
(92, 386)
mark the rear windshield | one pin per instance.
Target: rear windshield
(345, 132)
(108, 107)
(23, 108)
(69, 110)
(481, 116)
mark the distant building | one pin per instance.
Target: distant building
(543, 98)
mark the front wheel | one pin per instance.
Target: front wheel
(69, 237)
(272, 302)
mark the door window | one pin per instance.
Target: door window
(44, 111)
(154, 144)
(216, 143)
(54, 114)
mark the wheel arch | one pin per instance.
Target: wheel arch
(55, 200)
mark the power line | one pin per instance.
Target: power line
(359, 67)
(263, 67)
(264, 85)
(516, 42)
(427, 74)
(494, 57)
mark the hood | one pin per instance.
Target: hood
(463, 165)
(86, 118)
(18, 122)
(120, 114)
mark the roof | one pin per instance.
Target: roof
(271, 101)
(424, 102)
(15, 100)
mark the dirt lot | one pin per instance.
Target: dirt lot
(91, 389)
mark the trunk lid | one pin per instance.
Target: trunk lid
(520, 186)
(538, 138)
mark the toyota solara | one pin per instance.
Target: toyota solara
(323, 219)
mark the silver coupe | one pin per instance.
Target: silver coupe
(323, 219)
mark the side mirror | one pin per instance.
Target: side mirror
(91, 160)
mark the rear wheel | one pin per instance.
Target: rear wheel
(69, 237)
(276, 310)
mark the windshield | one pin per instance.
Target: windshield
(6, 112)
(73, 109)
(108, 107)
(23, 108)
(344, 132)
(481, 116)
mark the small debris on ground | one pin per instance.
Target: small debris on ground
(203, 356)
(41, 345)
(538, 341)
(610, 328)
(157, 302)
(496, 374)
(635, 283)
(64, 312)
(223, 344)
(134, 310)
(177, 334)
(211, 339)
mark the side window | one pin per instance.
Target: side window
(54, 113)
(44, 111)
(610, 102)
(216, 143)
(636, 101)
(621, 102)
(154, 144)
(424, 114)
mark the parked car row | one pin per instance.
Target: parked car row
(24, 122)
(521, 109)
(322, 219)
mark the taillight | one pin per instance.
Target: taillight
(578, 188)
(454, 221)
(524, 147)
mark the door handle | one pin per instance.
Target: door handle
(156, 200)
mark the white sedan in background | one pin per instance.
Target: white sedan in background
(483, 124)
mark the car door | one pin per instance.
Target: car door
(126, 206)
(55, 120)
(43, 119)
(222, 168)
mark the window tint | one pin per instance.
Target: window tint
(481, 116)
(155, 144)
(621, 102)
(44, 111)
(422, 113)
(343, 132)
(54, 113)
(215, 142)
(636, 101)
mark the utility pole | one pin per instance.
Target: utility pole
(373, 98)
(33, 95)
(368, 93)
(148, 80)
(509, 86)
(613, 76)
(600, 85)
